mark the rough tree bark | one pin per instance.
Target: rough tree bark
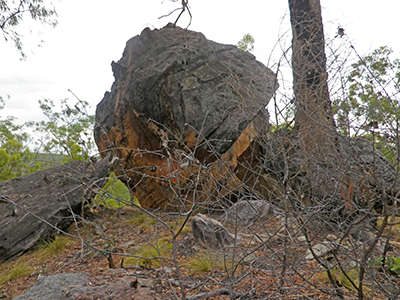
(338, 174)
(315, 125)
(314, 117)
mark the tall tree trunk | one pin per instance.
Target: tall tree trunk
(314, 118)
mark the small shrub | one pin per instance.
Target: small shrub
(114, 194)
(392, 264)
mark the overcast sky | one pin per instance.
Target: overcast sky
(78, 52)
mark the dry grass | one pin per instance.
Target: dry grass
(18, 270)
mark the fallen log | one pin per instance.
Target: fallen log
(35, 206)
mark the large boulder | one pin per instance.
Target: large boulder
(179, 98)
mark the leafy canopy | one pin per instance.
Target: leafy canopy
(13, 12)
(16, 158)
(373, 94)
(66, 136)
(67, 131)
(372, 107)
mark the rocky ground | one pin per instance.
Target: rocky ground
(272, 264)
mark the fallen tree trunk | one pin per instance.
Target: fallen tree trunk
(35, 206)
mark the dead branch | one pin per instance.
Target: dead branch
(185, 6)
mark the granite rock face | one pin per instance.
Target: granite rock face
(177, 95)
(111, 284)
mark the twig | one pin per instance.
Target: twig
(185, 7)
(209, 294)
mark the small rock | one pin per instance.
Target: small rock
(79, 286)
(320, 250)
(331, 237)
(54, 287)
(167, 270)
(129, 244)
(210, 233)
(301, 238)
(145, 282)
(362, 235)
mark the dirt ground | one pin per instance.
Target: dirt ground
(271, 267)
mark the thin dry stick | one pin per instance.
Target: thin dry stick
(185, 7)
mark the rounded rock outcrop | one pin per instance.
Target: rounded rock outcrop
(178, 96)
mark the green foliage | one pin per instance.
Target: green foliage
(384, 145)
(374, 82)
(246, 43)
(391, 264)
(66, 132)
(372, 107)
(114, 194)
(66, 136)
(283, 126)
(16, 158)
(12, 13)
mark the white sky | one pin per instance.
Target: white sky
(77, 53)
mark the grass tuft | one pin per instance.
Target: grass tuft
(161, 248)
(201, 263)
(19, 270)
(141, 219)
(53, 248)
